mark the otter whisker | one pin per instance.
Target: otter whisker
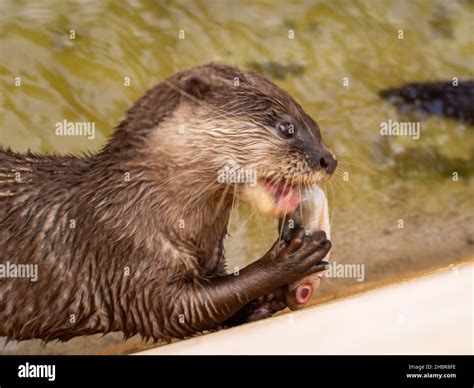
(364, 167)
(280, 233)
(284, 218)
(333, 201)
(232, 209)
(338, 182)
(356, 188)
(300, 207)
(222, 198)
(244, 225)
(259, 219)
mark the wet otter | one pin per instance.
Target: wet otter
(131, 239)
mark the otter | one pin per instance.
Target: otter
(131, 238)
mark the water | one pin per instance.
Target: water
(389, 178)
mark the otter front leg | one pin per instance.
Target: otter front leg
(207, 303)
(263, 307)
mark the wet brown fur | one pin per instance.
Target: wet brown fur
(146, 253)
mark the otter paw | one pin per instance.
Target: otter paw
(263, 307)
(303, 255)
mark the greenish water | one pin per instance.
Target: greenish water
(390, 178)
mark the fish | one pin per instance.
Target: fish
(312, 214)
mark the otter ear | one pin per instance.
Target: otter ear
(196, 86)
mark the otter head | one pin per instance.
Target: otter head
(234, 132)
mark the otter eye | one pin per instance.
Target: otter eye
(287, 129)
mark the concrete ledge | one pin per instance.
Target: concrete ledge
(426, 315)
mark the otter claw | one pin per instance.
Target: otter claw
(324, 264)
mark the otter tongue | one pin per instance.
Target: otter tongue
(286, 198)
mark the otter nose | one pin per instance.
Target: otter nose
(327, 162)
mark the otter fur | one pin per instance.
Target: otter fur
(131, 238)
